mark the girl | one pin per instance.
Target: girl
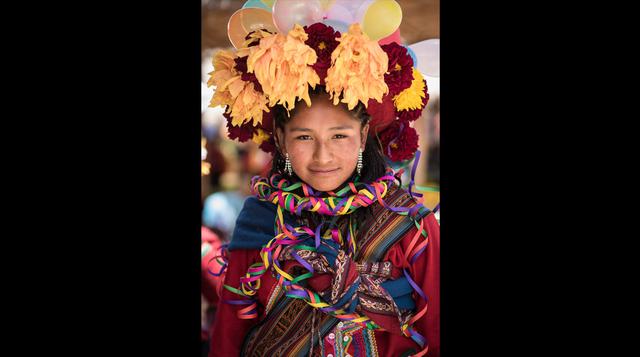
(330, 257)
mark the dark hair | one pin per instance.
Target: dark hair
(372, 158)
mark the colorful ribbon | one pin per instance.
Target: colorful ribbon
(347, 200)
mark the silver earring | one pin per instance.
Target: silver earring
(287, 164)
(359, 166)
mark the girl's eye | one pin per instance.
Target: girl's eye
(340, 136)
(303, 137)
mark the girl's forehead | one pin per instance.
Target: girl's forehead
(321, 115)
(326, 121)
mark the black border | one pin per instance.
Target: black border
(113, 203)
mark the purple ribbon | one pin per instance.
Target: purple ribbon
(417, 337)
(238, 302)
(414, 210)
(296, 292)
(414, 285)
(413, 174)
(302, 261)
(415, 257)
(318, 234)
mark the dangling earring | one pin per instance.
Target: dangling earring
(287, 164)
(359, 166)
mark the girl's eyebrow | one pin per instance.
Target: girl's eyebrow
(300, 129)
(342, 127)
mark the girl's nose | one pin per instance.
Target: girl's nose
(321, 153)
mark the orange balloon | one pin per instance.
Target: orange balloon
(246, 20)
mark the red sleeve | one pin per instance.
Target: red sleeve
(228, 330)
(425, 271)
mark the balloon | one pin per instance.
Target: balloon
(352, 6)
(343, 27)
(287, 13)
(413, 56)
(256, 4)
(361, 10)
(246, 20)
(428, 54)
(269, 3)
(394, 37)
(339, 13)
(382, 18)
(347, 11)
(326, 4)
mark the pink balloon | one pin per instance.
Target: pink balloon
(287, 13)
(350, 5)
(339, 13)
(394, 37)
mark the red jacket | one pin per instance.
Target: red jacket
(228, 331)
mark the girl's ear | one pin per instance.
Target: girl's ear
(365, 134)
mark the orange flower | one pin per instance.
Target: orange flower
(357, 69)
(243, 102)
(282, 65)
(248, 106)
(225, 78)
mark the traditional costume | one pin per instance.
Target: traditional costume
(351, 272)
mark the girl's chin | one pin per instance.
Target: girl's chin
(325, 186)
(325, 182)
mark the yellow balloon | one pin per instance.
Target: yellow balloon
(381, 19)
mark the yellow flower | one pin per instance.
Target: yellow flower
(411, 98)
(248, 105)
(244, 102)
(225, 78)
(254, 36)
(282, 65)
(260, 136)
(357, 69)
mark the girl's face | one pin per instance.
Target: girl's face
(323, 142)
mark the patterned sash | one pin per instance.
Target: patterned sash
(286, 329)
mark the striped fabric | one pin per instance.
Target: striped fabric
(286, 330)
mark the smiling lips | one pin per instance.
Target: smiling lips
(322, 171)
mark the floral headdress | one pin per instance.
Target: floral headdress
(279, 69)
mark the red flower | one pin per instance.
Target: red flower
(241, 66)
(322, 39)
(246, 132)
(267, 121)
(382, 114)
(268, 146)
(411, 115)
(399, 141)
(242, 133)
(400, 72)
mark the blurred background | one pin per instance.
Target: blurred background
(227, 166)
